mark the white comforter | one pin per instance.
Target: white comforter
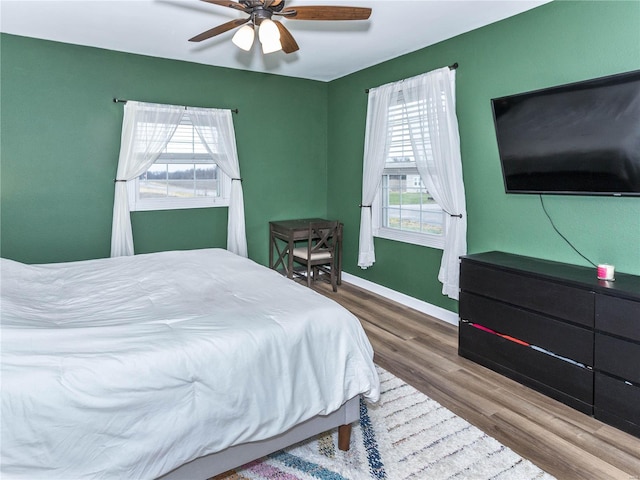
(129, 367)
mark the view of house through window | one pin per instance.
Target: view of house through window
(185, 175)
(407, 204)
(406, 210)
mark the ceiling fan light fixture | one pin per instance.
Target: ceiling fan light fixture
(269, 36)
(243, 38)
(273, 35)
(270, 47)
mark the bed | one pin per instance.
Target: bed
(178, 364)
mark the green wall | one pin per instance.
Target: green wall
(560, 42)
(61, 138)
(300, 145)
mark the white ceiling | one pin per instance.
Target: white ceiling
(328, 49)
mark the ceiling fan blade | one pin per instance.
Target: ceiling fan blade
(225, 27)
(228, 3)
(289, 44)
(325, 12)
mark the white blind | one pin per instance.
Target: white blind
(185, 145)
(404, 121)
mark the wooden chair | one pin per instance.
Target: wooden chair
(321, 253)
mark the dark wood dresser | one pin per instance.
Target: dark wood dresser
(556, 328)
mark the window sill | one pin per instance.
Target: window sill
(422, 239)
(160, 205)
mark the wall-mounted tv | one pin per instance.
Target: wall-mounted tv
(576, 139)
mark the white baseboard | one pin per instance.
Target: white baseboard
(411, 302)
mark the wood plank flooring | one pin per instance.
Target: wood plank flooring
(423, 351)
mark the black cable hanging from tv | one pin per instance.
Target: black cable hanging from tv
(561, 235)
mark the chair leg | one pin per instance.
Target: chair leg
(308, 275)
(334, 280)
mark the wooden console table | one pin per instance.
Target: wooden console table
(283, 235)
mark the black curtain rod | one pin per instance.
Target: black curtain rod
(451, 67)
(119, 100)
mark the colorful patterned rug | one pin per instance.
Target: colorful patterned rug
(406, 435)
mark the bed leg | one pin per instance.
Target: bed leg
(344, 437)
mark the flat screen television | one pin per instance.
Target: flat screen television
(577, 139)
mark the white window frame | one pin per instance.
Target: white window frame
(136, 203)
(400, 146)
(415, 238)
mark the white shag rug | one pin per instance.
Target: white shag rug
(406, 435)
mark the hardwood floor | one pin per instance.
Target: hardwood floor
(423, 351)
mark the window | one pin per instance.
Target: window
(403, 209)
(185, 175)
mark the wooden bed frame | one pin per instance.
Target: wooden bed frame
(238, 455)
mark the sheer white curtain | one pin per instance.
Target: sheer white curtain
(146, 130)
(215, 129)
(436, 147)
(376, 149)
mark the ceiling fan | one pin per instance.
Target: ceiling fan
(273, 35)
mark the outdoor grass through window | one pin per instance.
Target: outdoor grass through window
(410, 208)
(179, 180)
(185, 175)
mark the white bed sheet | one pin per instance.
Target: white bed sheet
(129, 367)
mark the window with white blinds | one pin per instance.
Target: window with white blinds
(403, 209)
(185, 175)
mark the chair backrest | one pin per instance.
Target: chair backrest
(323, 236)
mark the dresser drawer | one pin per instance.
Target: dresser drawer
(617, 357)
(556, 378)
(618, 316)
(561, 338)
(617, 403)
(544, 296)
